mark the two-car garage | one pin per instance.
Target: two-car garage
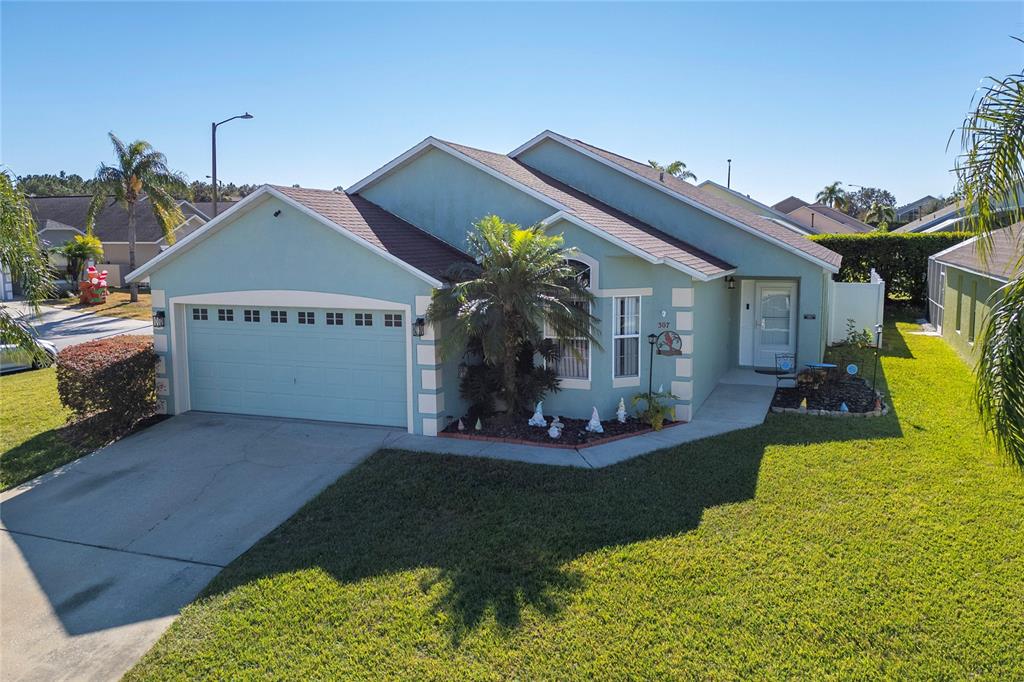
(340, 364)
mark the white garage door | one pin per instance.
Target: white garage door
(309, 363)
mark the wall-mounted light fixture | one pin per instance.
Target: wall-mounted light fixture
(419, 327)
(730, 282)
(159, 318)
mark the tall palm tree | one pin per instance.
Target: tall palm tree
(676, 169)
(22, 258)
(880, 216)
(521, 284)
(990, 170)
(833, 195)
(140, 172)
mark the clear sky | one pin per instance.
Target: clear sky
(797, 94)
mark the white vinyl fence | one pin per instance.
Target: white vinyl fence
(863, 302)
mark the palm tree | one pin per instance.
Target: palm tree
(676, 169)
(521, 284)
(833, 195)
(22, 257)
(990, 170)
(880, 216)
(140, 172)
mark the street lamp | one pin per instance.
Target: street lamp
(213, 135)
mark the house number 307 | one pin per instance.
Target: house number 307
(663, 325)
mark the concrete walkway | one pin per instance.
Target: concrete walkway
(67, 327)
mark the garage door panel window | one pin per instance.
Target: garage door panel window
(307, 317)
(200, 314)
(392, 320)
(251, 315)
(225, 315)
(335, 319)
(364, 319)
(278, 316)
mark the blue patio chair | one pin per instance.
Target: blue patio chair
(785, 368)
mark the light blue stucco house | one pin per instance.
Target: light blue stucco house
(304, 303)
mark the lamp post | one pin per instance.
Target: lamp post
(652, 339)
(213, 137)
(728, 177)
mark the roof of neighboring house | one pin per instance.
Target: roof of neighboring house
(382, 229)
(927, 220)
(915, 204)
(111, 222)
(206, 207)
(622, 226)
(790, 204)
(1006, 249)
(746, 200)
(852, 224)
(766, 227)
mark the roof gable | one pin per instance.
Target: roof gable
(717, 207)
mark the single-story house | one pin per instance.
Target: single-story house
(751, 204)
(961, 284)
(821, 219)
(915, 209)
(954, 217)
(310, 303)
(58, 219)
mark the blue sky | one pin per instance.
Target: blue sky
(797, 94)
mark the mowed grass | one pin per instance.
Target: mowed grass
(807, 548)
(33, 436)
(118, 304)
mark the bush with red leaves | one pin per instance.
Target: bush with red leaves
(112, 382)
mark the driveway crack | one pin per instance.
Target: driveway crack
(113, 549)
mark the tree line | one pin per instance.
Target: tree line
(64, 184)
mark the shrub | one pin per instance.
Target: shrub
(482, 383)
(110, 381)
(79, 250)
(900, 259)
(655, 411)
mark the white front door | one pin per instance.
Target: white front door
(774, 321)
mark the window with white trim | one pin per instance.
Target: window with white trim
(626, 335)
(335, 319)
(364, 319)
(200, 314)
(392, 319)
(574, 352)
(307, 317)
(225, 315)
(251, 315)
(278, 316)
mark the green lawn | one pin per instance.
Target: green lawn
(118, 304)
(808, 548)
(33, 436)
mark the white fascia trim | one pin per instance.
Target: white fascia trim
(266, 190)
(986, 275)
(433, 142)
(639, 253)
(61, 226)
(547, 134)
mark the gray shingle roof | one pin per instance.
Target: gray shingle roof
(841, 218)
(380, 228)
(1006, 248)
(790, 204)
(739, 214)
(620, 225)
(111, 222)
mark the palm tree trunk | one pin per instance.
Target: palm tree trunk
(134, 286)
(509, 370)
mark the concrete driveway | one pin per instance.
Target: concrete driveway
(67, 327)
(97, 558)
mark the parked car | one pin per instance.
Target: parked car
(14, 357)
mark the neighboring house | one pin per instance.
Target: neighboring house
(961, 284)
(311, 303)
(59, 219)
(790, 204)
(821, 219)
(753, 205)
(913, 210)
(946, 219)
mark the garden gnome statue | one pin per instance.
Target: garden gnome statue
(479, 425)
(594, 425)
(661, 388)
(844, 407)
(621, 412)
(538, 416)
(555, 431)
(462, 427)
(803, 404)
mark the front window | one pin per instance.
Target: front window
(573, 354)
(627, 336)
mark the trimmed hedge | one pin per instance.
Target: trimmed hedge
(112, 382)
(900, 259)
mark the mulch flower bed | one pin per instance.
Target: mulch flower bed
(828, 398)
(574, 432)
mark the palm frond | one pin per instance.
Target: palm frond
(1000, 389)
(20, 252)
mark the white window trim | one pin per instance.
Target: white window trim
(578, 383)
(623, 382)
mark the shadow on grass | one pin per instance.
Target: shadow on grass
(496, 537)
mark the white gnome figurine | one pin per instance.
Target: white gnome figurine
(554, 431)
(620, 413)
(594, 425)
(661, 388)
(538, 416)
(462, 426)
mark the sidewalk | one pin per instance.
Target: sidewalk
(67, 327)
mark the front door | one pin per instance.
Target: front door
(774, 321)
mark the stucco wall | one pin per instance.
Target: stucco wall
(967, 287)
(117, 252)
(252, 253)
(752, 255)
